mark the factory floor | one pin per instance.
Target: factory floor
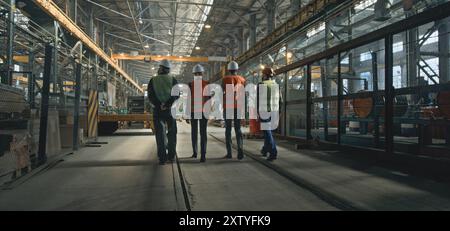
(124, 175)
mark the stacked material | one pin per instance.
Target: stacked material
(11, 99)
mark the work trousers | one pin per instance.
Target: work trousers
(203, 135)
(165, 134)
(269, 142)
(237, 130)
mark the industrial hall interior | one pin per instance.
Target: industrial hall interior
(224, 105)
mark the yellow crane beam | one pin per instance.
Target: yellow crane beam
(56, 13)
(171, 58)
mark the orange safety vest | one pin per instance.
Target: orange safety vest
(233, 80)
(199, 100)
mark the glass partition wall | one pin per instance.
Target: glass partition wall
(342, 83)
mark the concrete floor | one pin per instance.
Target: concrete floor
(125, 175)
(122, 175)
(223, 184)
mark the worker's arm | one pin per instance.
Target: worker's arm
(151, 95)
(172, 99)
(257, 99)
(281, 96)
(223, 86)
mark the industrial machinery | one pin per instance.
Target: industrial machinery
(137, 112)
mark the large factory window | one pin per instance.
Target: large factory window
(324, 91)
(362, 106)
(421, 105)
(296, 100)
(296, 120)
(296, 84)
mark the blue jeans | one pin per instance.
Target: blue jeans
(269, 142)
(165, 134)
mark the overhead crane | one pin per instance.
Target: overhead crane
(171, 58)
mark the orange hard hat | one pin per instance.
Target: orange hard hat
(268, 71)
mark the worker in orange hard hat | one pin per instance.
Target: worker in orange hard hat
(270, 104)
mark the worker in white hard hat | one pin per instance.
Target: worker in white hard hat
(237, 83)
(198, 101)
(159, 93)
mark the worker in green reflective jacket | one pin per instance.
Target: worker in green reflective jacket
(270, 104)
(159, 93)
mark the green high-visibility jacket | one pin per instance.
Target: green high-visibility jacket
(272, 102)
(160, 89)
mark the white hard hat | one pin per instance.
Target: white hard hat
(233, 66)
(165, 63)
(198, 69)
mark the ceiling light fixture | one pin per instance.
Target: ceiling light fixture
(197, 48)
(207, 26)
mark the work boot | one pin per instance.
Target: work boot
(271, 158)
(203, 158)
(171, 158)
(194, 156)
(240, 156)
(162, 162)
(263, 153)
(228, 156)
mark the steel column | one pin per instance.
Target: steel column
(90, 24)
(10, 45)
(444, 60)
(295, 7)
(31, 80)
(241, 40)
(55, 57)
(376, 99)
(389, 95)
(444, 51)
(72, 9)
(325, 88)
(76, 117)
(253, 26)
(308, 103)
(45, 94)
(339, 103)
(271, 15)
(412, 54)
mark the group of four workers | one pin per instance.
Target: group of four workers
(160, 96)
